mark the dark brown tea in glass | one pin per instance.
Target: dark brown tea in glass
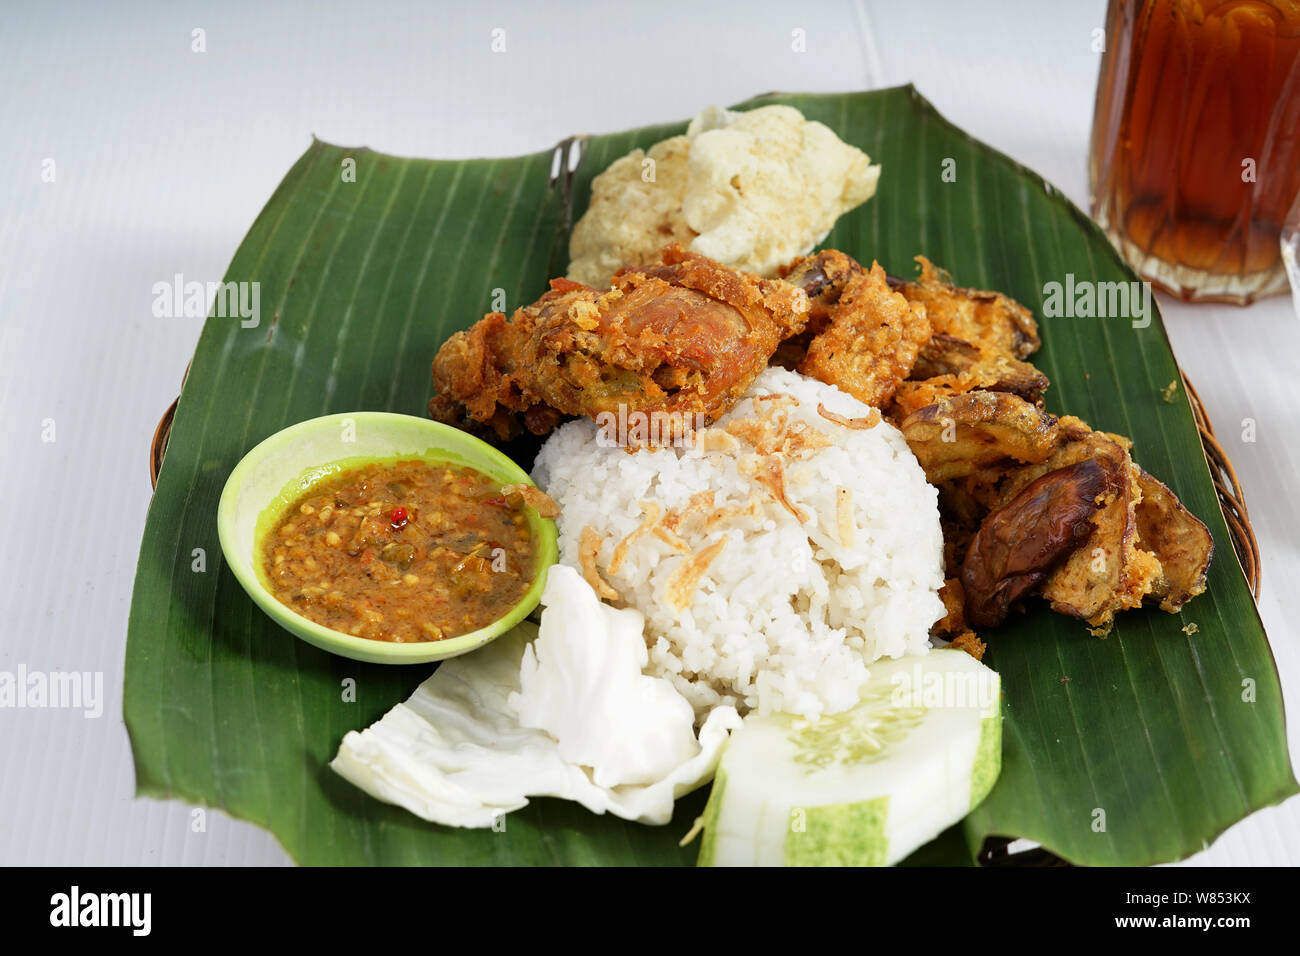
(1195, 158)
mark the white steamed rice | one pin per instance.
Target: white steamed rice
(786, 617)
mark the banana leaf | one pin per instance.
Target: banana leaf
(1131, 749)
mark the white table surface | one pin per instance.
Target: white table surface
(164, 156)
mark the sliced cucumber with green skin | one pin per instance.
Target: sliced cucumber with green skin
(864, 787)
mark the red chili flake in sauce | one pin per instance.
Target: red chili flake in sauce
(398, 517)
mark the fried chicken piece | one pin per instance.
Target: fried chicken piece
(976, 339)
(822, 277)
(871, 339)
(473, 377)
(861, 336)
(679, 338)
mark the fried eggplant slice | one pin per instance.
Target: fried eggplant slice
(1178, 538)
(978, 369)
(911, 397)
(989, 320)
(870, 341)
(1112, 572)
(974, 433)
(1018, 545)
(945, 354)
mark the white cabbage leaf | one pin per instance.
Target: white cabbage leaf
(458, 752)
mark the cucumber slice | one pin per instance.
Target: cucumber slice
(864, 787)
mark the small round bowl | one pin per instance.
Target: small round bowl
(280, 469)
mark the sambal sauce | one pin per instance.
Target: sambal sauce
(401, 551)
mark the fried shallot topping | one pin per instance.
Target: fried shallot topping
(775, 436)
(588, 548)
(653, 512)
(844, 518)
(715, 439)
(780, 398)
(752, 509)
(670, 537)
(857, 424)
(768, 471)
(686, 578)
(699, 503)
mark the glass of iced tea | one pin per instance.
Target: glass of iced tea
(1195, 158)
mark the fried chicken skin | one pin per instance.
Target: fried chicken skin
(683, 337)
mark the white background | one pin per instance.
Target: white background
(163, 158)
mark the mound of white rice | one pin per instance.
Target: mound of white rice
(787, 616)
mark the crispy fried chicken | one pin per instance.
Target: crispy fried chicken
(862, 336)
(684, 337)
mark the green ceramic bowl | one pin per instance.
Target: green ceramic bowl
(280, 469)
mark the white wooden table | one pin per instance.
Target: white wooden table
(162, 157)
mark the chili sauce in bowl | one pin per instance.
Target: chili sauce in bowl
(401, 551)
(385, 538)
